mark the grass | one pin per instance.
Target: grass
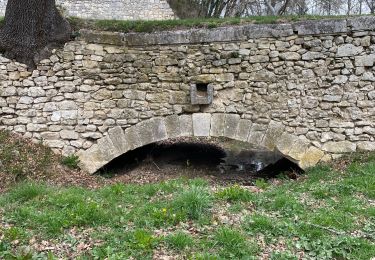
(327, 214)
(165, 25)
(70, 161)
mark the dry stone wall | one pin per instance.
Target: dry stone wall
(307, 89)
(112, 9)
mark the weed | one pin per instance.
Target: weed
(70, 161)
(142, 239)
(235, 193)
(193, 202)
(233, 244)
(261, 184)
(259, 224)
(179, 241)
(286, 255)
(338, 248)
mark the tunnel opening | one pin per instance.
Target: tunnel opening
(219, 160)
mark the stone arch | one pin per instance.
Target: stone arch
(271, 136)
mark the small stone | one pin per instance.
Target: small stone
(69, 134)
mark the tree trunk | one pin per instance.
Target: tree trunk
(31, 29)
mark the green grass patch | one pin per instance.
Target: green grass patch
(326, 214)
(179, 241)
(70, 161)
(165, 25)
(232, 244)
(235, 193)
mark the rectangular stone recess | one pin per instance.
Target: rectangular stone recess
(201, 94)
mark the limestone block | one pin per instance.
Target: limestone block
(54, 143)
(340, 124)
(68, 114)
(366, 146)
(107, 148)
(362, 23)
(290, 56)
(368, 76)
(320, 27)
(231, 124)
(285, 143)
(159, 131)
(145, 132)
(339, 147)
(133, 138)
(259, 59)
(365, 60)
(256, 134)
(273, 133)
(297, 150)
(69, 134)
(217, 125)
(186, 125)
(312, 157)
(8, 91)
(349, 50)
(118, 138)
(311, 55)
(172, 124)
(243, 130)
(201, 124)
(26, 100)
(67, 105)
(91, 160)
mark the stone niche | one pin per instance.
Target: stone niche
(201, 94)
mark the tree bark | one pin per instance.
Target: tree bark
(32, 28)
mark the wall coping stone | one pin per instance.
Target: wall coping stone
(231, 33)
